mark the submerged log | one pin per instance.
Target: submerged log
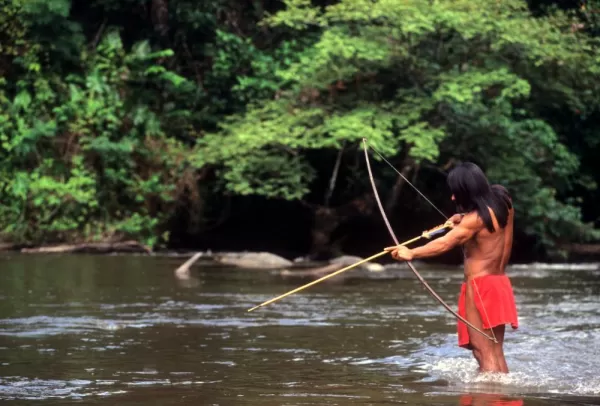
(92, 247)
(316, 272)
(347, 260)
(592, 249)
(8, 247)
(183, 272)
(311, 273)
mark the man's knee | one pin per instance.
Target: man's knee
(483, 352)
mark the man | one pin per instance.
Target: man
(485, 231)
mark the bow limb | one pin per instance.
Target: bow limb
(410, 265)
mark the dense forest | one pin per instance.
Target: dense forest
(231, 125)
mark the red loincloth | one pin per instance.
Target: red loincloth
(495, 303)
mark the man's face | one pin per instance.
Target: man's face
(452, 198)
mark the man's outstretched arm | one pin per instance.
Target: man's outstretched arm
(461, 233)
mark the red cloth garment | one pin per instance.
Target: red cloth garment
(495, 303)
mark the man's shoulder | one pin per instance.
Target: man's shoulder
(472, 221)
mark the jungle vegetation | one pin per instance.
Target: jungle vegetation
(167, 121)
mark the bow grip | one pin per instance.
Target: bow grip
(434, 233)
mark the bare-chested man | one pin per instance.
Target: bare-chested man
(485, 231)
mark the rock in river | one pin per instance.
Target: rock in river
(252, 260)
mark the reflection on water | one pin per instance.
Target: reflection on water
(123, 330)
(488, 400)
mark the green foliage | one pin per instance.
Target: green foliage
(112, 112)
(424, 81)
(79, 160)
(96, 133)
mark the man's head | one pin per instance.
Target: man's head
(472, 192)
(467, 183)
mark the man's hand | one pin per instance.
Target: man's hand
(400, 252)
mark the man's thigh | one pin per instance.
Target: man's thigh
(477, 340)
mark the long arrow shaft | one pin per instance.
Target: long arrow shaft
(331, 275)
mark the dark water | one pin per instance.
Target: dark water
(122, 330)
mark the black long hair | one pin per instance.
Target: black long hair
(501, 192)
(472, 192)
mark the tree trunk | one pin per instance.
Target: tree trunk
(328, 219)
(392, 201)
(575, 248)
(334, 175)
(92, 247)
(160, 16)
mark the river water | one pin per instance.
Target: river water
(106, 330)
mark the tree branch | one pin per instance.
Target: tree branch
(334, 175)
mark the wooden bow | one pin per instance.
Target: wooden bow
(410, 265)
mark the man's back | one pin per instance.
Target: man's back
(487, 253)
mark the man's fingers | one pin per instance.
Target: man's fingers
(395, 251)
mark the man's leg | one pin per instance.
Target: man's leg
(499, 348)
(485, 351)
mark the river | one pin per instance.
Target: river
(106, 330)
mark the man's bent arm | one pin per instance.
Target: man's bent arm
(460, 234)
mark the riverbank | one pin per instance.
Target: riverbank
(300, 267)
(285, 247)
